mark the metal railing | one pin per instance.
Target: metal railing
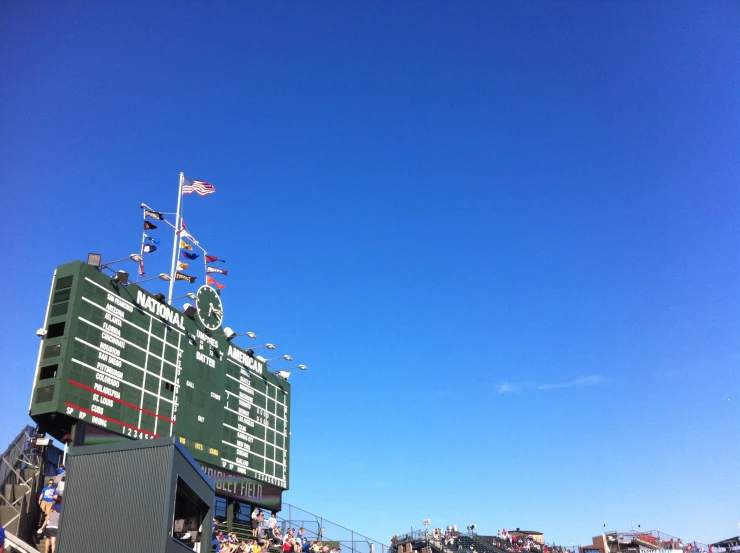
(317, 528)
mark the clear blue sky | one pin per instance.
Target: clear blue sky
(502, 235)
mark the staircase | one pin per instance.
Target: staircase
(21, 480)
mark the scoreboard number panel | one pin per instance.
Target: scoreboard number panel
(119, 359)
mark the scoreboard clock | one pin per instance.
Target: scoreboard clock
(128, 364)
(210, 309)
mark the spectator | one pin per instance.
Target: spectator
(46, 498)
(257, 517)
(51, 524)
(2, 539)
(304, 539)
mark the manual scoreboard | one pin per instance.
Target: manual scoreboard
(124, 361)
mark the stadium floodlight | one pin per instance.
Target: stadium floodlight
(302, 367)
(285, 373)
(160, 276)
(94, 259)
(286, 357)
(230, 334)
(133, 257)
(41, 332)
(189, 310)
(188, 295)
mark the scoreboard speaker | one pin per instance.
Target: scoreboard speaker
(135, 496)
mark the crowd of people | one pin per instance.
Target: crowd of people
(517, 543)
(50, 501)
(267, 533)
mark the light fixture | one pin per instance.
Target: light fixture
(230, 334)
(94, 259)
(285, 373)
(188, 295)
(133, 257)
(286, 357)
(302, 367)
(41, 332)
(160, 297)
(161, 276)
(121, 276)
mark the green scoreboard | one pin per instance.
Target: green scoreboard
(126, 363)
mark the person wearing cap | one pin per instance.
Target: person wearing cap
(51, 524)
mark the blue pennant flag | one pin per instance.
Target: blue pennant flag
(151, 239)
(189, 255)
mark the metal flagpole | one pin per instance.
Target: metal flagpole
(176, 244)
(141, 252)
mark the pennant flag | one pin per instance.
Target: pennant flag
(151, 239)
(213, 259)
(149, 248)
(210, 280)
(182, 266)
(149, 226)
(153, 214)
(183, 276)
(216, 270)
(182, 226)
(186, 234)
(200, 187)
(185, 246)
(141, 268)
(190, 256)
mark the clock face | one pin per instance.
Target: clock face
(210, 309)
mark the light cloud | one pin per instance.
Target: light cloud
(509, 388)
(506, 388)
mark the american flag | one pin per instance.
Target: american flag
(198, 186)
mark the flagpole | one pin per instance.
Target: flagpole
(141, 252)
(175, 244)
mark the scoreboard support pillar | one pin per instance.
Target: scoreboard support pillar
(230, 514)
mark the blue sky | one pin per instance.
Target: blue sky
(502, 235)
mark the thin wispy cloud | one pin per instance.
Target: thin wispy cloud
(510, 388)
(506, 388)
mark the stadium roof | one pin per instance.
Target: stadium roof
(729, 542)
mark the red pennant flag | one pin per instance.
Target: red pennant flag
(149, 226)
(211, 280)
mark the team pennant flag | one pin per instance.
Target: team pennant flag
(182, 266)
(149, 226)
(141, 268)
(213, 259)
(185, 246)
(149, 248)
(210, 269)
(183, 276)
(211, 280)
(202, 188)
(151, 239)
(153, 214)
(190, 256)
(186, 234)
